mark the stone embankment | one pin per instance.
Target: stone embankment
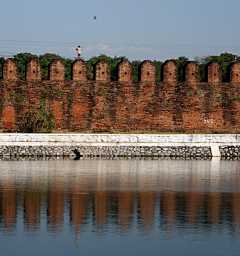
(125, 145)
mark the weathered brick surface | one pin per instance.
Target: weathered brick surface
(10, 69)
(33, 70)
(102, 71)
(126, 106)
(147, 71)
(214, 72)
(125, 71)
(106, 105)
(56, 70)
(79, 70)
(235, 72)
(169, 72)
(192, 72)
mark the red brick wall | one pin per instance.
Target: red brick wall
(169, 72)
(235, 72)
(125, 71)
(79, 70)
(56, 70)
(147, 71)
(10, 69)
(125, 105)
(192, 72)
(33, 70)
(214, 72)
(102, 71)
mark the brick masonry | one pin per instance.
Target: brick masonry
(33, 70)
(56, 70)
(103, 105)
(214, 72)
(79, 70)
(125, 71)
(10, 70)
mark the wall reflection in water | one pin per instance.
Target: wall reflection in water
(117, 194)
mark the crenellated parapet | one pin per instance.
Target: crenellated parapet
(146, 72)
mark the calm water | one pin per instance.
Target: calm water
(120, 207)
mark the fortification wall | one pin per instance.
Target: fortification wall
(124, 105)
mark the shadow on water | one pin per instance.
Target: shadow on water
(78, 154)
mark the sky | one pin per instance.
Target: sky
(137, 29)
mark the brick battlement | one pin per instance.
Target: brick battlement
(102, 71)
(124, 105)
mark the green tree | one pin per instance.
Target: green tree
(22, 59)
(68, 68)
(158, 65)
(180, 62)
(136, 64)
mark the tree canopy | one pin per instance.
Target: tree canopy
(180, 62)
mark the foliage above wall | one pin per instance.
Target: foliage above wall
(22, 58)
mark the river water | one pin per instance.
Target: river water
(120, 207)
